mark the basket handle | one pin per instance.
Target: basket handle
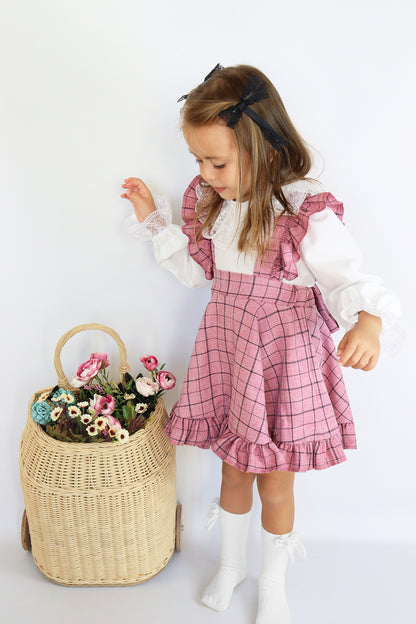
(62, 379)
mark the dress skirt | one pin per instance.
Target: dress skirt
(263, 389)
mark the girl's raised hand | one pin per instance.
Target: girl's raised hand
(360, 346)
(140, 197)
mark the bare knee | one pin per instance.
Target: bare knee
(275, 488)
(233, 478)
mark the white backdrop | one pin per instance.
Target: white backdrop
(88, 97)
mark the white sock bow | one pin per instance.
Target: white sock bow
(293, 543)
(213, 513)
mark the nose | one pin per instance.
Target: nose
(207, 172)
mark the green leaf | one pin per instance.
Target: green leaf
(131, 410)
(125, 413)
(128, 377)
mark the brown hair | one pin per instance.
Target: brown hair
(270, 169)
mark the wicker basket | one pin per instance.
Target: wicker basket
(99, 514)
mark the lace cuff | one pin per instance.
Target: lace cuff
(155, 225)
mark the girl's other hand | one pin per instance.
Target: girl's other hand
(360, 346)
(140, 197)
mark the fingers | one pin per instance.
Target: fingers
(132, 180)
(136, 189)
(363, 361)
(134, 183)
(347, 350)
(369, 366)
(352, 354)
(358, 359)
(372, 363)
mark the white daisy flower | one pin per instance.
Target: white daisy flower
(55, 413)
(140, 408)
(43, 396)
(112, 432)
(74, 411)
(83, 404)
(67, 398)
(122, 435)
(86, 419)
(101, 422)
(92, 430)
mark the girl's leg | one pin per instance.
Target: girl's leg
(278, 540)
(235, 509)
(236, 490)
(278, 504)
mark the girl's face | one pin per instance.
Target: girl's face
(215, 150)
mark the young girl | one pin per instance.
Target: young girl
(264, 388)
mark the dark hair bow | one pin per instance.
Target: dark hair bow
(254, 91)
(216, 68)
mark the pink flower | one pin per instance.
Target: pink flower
(102, 357)
(149, 362)
(166, 380)
(89, 369)
(102, 404)
(146, 387)
(113, 422)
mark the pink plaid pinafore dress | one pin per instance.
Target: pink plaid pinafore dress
(263, 388)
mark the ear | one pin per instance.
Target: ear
(271, 153)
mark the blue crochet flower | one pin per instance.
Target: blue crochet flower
(41, 412)
(64, 396)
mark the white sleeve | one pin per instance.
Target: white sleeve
(170, 244)
(334, 259)
(171, 252)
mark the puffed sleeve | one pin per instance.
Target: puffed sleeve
(170, 243)
(334, 259)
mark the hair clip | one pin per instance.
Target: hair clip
(254, 91)
(216, 68)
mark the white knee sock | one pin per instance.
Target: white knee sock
(233, 566)
(276, 551)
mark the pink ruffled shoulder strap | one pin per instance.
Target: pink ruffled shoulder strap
(290, 231)
(317, 203)
(201, 252)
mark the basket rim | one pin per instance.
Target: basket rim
(86, 447)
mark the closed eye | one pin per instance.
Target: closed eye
(199, 161)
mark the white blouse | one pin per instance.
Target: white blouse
(328, 253)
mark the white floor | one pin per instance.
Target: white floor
(336, 584)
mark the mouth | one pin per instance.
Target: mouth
(218, 189)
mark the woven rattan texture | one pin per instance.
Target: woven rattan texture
(100, 514)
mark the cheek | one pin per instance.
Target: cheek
(234, 174)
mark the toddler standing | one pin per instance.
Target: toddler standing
(264, 388)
